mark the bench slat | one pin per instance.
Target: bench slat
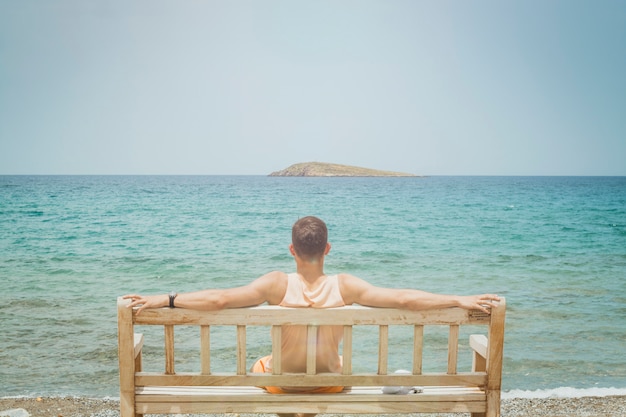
(241, 350)
(314, 408)
(347, 350)
(148, 394)
(453, 349)
(277, 357)
(311, 350)
(383, 349)
(169, 349)
(418, 348)
(348, 315)
(205, 349)
(254, 400)
(475, 379)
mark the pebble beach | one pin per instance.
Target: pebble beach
(611, 406)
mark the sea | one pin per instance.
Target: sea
(555, 247)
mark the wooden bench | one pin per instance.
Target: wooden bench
(475, 391)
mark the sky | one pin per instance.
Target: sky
(232, 87)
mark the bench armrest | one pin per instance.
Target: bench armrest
(138, 343)
(478, 343)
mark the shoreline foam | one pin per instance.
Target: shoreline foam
(564, 392)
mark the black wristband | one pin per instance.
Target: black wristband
(172, 296)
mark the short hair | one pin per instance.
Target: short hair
(309, 237)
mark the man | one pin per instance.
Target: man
(309, 286)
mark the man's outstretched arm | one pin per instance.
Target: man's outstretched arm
(264, 289)
(356, 290)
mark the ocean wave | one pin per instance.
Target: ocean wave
(564, 392)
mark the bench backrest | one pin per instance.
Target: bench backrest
(486, 373)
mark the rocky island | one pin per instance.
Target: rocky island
(322, 169)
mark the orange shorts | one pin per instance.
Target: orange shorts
(262, 366)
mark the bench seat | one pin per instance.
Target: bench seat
(370, 400)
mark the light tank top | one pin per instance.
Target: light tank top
(294, 338)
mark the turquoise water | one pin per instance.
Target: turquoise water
(554, 246)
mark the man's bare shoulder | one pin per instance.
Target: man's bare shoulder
(275, 275)
(351, 287)
(344, 277)
(273, 285)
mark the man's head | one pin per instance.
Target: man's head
(309, 237)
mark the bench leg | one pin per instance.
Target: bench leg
(478, 415)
